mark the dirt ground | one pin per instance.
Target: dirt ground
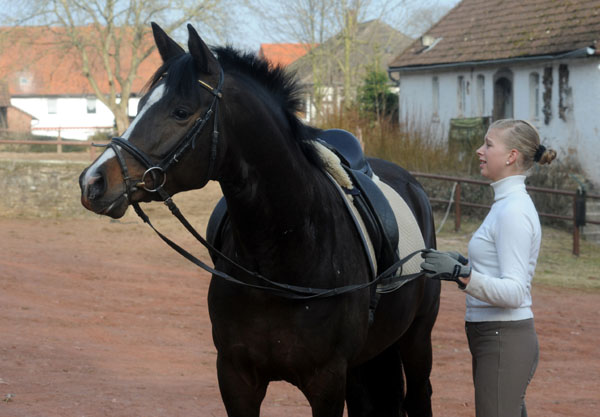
(101, 318)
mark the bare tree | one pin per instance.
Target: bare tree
(424, 14)
(335, 26)
(308, 22)
(338, 26)
(113, 37)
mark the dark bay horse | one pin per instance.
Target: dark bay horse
(232, 119)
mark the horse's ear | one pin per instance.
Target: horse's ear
(167, 47)
(204, 58)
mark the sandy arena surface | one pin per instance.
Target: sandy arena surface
(101, 318)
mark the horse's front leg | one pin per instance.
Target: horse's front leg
(241, 386)
(325, 389)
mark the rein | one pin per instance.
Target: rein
(155, 169)
(283, 290)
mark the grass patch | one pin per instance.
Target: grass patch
(556, 265)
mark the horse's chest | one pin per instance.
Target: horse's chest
(284, 332)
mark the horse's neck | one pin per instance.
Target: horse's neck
(273, 207)
(278, 188)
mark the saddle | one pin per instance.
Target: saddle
(370, 202)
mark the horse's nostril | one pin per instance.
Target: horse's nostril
(96, 187)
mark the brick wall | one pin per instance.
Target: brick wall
(18, 121)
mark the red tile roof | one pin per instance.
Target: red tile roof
(33, 63)
(481, 30)
(283, 54)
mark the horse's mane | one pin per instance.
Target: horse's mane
(179, 75)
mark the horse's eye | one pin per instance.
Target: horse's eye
(181, 114)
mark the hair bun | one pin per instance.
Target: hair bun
(547, 156)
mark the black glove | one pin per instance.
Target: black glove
(448, 266)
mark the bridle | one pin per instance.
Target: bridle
(118, 144)
(158, 171)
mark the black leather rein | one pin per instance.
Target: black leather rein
(155, 169)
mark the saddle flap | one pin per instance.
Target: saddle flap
(379, 218)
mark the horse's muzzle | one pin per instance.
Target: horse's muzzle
(92, 188)
(94, 196)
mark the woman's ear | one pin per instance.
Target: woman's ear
(513, 155)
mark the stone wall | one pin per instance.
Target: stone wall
(47, 189)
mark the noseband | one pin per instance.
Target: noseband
(158, 171)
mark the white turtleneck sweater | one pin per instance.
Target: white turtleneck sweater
(503, 253)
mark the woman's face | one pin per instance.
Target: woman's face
(493, 156)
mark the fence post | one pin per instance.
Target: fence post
(575, 228)
(457, 207)
(59, 143)
(578, 217)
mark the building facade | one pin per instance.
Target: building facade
(528, 60)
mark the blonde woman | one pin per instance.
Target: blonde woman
(503, 254)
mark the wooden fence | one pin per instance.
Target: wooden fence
(577, 197)
(59, 143)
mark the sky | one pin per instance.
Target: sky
(247, 30)
(252, 30)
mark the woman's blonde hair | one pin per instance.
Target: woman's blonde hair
(524, 137)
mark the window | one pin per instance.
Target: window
(52, 105)
(503, 94)
(23, 81)
(91, 105)
(435, 96)
(461, 95)
(565, 92)
(480, 95)
(534, 96)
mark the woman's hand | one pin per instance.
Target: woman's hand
(449, 266)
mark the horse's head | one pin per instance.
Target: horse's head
(171, 144)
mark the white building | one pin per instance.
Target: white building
(71, 117)
(47, 82)
(537, 61)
